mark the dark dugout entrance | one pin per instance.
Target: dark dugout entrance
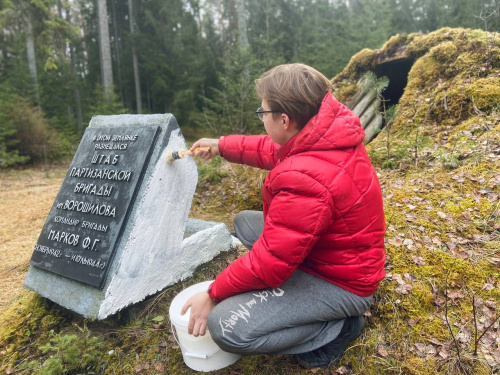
(397, 72)
(368, 106)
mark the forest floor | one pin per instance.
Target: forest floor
(26, 197)
(433, 275)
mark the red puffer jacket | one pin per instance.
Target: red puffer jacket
(323, 209)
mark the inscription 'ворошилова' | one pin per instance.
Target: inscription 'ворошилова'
(84, 226)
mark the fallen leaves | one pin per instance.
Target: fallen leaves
(410, 218)
(158, 322)
(442, 215)
(423, 350)
(491, 360)
(139, 367)
(343, 370)
(396, 241)
(439, 351)
(456, 295)
(404, 282)
(159, 366)
(172, 339)
(382, 351)
(409, 243)
(418, 260)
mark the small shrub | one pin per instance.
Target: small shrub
(211, 172)
(10, 158)
(449, 160)
(69, 352)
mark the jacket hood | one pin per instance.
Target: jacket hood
(334, 127)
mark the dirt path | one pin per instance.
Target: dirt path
(25, 200)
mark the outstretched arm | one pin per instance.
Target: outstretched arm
(212, 152)
(254, 150)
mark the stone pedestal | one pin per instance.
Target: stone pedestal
(157, 245)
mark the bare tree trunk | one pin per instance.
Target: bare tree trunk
(268, 44)
(148, 93)
(221, 22)
(30, 47)
(76, 90)
(105, 50)
(118, 52)
(242, 23)
(59, 8)
(78, 102)
(200, 22)
(135, 61)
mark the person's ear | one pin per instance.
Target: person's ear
(286, 120)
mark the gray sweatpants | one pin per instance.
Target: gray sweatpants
(303, 314)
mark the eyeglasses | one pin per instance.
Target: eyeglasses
(260, 113)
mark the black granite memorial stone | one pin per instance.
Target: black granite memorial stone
(86, 221)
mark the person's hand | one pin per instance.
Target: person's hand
(204, 142)
(201, 305)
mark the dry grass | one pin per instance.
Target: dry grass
(26, 197)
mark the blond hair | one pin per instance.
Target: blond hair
(294, 89)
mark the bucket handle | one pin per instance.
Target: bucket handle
(189, 354)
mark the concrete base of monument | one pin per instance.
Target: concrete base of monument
(203, 240)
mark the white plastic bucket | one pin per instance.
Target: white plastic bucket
(199, 353)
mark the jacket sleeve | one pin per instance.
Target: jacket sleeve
(254, 150)
(301, 210)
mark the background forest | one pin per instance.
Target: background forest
(63, 61)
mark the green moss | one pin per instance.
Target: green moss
(437, 213)
(29, 320)
(444, 53)
(423, 43)
(484, 93)
(398, 41)
(49, 322)
(394, 43)
(359, 63)
(451, 79)
(344, 92)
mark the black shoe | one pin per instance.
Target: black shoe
(329, 354)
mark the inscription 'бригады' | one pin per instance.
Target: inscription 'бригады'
(92, 189)
(84, 226)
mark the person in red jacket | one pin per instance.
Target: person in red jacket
(317, 250)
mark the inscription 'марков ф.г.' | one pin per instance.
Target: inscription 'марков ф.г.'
(86, 221)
